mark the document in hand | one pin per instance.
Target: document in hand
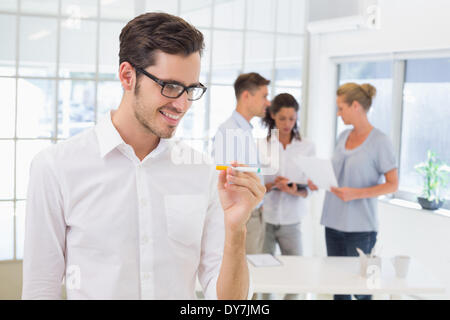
(263, 260)
(319, 171)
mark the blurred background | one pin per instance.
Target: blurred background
(58, 76)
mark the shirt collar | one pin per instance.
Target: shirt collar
(294, 142)
(109, 138)
(241, 121)
(107, 135)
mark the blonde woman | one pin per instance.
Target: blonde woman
(362, 158)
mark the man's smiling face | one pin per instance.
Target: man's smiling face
(156, 113)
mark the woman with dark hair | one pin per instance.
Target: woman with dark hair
(285, 204)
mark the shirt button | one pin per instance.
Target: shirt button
(144, 202)
(146, 275)
(144, 240)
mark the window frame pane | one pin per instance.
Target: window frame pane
(399, 77)
(421, 77)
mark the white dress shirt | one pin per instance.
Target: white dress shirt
(281, 208)
(119, 228)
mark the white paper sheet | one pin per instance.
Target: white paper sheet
(263, 260)
(319, 171)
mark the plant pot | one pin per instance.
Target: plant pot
(430, 205)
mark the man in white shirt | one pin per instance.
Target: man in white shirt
(111, 211)
(234, 141)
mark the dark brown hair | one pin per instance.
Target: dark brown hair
(283, 100)
(149, 32)
(363, 93)
(249, 82)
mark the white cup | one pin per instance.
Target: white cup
(401, 265)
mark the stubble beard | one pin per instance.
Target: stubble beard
(149, 124)
(262, 114)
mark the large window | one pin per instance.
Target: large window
(58, 74)
(378, 74)
(264, 36)
(426, 118)
(421, 117)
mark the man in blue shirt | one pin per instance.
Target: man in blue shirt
(234, 141)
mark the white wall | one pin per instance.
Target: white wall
(327, 9)
(420, 234)
(406, 25)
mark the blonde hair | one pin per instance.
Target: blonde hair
(363, 93)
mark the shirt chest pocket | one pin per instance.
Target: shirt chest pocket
(185, 217)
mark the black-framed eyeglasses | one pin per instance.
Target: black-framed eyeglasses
(174, 90)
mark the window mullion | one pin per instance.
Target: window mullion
(15, 128)
(274, 53)
(398, 82)
(97, 61)
(58, 58)
(305, 74)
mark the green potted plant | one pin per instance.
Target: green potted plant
(436, 176)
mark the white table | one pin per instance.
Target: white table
(340, 275)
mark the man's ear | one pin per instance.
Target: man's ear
(243, 97)
(127, 76)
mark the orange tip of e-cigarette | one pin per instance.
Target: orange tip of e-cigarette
(221, 167)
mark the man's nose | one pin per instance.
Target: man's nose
(182, 103)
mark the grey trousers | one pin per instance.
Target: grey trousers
(255, 232)
(288, 238)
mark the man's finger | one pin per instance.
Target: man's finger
(244, 191)
(243, 181)
(222, 179)
(251, 175)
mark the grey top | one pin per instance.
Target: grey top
(361, 167)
